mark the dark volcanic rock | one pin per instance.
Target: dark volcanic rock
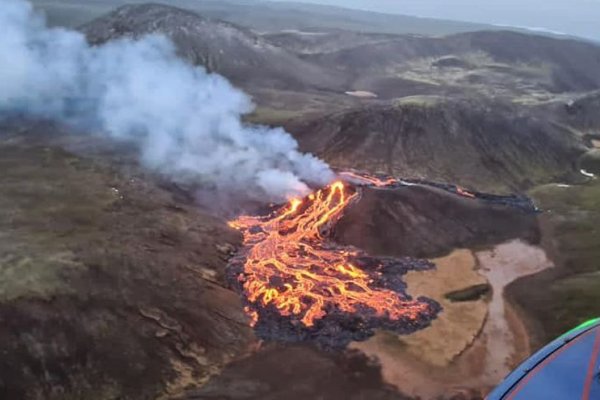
(424, 221)
(472, 293)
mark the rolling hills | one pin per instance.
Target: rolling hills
(113, 279)
(492, 146)
(233, 51)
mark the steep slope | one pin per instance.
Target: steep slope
(425, 221)
(222, 47)
(487, 145)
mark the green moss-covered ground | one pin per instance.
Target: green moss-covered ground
(110, 286)
(561, 298)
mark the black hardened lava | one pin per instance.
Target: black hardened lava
(337, 329)
(516, 201)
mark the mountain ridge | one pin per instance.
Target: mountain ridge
(219, 46)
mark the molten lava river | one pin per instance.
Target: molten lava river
(298, 285)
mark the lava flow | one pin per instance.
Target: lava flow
(297, 284)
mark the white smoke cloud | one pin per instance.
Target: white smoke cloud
(186, 122)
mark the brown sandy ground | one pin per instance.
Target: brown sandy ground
(474, 343)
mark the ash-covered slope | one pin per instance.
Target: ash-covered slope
(491, 146)
(222, 47)
(429, 221)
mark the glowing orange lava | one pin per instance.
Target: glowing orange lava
(290, 266)
(369, 179)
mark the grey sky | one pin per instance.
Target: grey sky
(575, 17)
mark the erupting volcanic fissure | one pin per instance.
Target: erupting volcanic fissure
(299, 285)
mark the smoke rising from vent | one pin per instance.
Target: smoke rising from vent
(186, 122)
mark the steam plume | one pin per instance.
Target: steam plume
(186, 122)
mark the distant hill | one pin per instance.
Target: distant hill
(479, 143)
(493, 62)
(265, 16)
(451, 108)
(233, 51)
(491, 58)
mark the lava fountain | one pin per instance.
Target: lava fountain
(299, 285)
